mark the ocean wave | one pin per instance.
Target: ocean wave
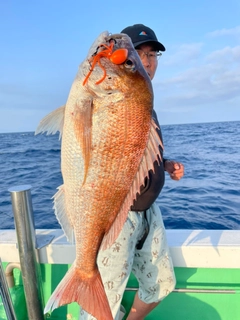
(207, 197)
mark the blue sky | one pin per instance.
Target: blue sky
(43, 43)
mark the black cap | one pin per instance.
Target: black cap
(141, 34)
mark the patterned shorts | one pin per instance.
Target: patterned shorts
(151, 265)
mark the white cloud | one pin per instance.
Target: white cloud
(226, 54)
(213, 79)
(225, 32)
(182, 54)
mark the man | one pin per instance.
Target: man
(141, 247)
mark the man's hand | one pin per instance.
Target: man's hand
(175, 169)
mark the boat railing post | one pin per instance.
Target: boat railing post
(5, 295)
(25, 230)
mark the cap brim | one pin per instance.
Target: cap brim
(157, 45)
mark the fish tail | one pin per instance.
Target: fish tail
(88, 293)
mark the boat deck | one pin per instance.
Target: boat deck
(206, 262)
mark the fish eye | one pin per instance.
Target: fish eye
(129, 64)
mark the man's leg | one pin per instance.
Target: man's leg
(152, 267)
(140, 309)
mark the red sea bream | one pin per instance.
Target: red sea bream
(109, 143)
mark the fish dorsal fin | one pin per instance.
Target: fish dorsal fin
(83, 130)
(60, 212)
(52, 123)
(151, 154)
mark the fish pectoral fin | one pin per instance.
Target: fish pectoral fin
(61, 215)
(151, 154)
(52, 123)
(83, 129)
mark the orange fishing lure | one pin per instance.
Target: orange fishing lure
(117, 57)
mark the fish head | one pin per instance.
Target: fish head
(113, 65)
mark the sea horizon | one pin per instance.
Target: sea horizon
(170, 124)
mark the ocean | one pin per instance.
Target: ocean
(207, 197)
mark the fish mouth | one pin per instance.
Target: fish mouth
(114, 48)
(119, 50)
